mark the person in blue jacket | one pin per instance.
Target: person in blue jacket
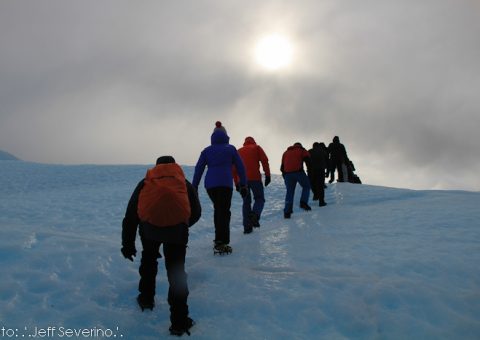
(219, 158)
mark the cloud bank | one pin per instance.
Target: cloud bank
(117, 82)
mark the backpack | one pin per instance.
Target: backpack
(163, 200)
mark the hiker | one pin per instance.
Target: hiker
(164, 205)
(292, 172)
(339, 160)
(328, 164)
(316, 172)
(252, 155)
(352, 177)
(219, 157)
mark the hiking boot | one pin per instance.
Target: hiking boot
(145, 302)
(179, 330)
(322, 204)
(221, 249)
(287, 214)
(254, 220)
(305, 206)
(247, 230)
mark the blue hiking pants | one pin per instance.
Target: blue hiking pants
(291, 179)
(255, 188)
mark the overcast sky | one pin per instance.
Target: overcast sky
(117, 82)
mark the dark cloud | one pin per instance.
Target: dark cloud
(117, 82)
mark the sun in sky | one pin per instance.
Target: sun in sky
(273, 52)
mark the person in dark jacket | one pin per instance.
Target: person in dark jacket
(170, 229)
(293, 173)
(219, 157)
(338, 159)
(328, 164)
(316, 173)
(352, 177)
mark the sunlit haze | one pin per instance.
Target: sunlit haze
(273, 52)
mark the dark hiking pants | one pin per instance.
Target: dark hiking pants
(317, 181)
(222, 200)
(177, 278)
(337, 166)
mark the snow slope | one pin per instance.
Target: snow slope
(376, 263)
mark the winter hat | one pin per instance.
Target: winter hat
(165, 160)
(219, 126)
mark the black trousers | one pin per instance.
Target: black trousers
(177, 278)
(317, 182)
(222, 201)
(337, 166)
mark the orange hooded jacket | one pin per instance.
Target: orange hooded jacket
(252, 155)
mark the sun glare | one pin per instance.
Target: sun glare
(273, 52)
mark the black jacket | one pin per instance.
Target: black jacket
(177, 234)
(338, 154)
(318, 158)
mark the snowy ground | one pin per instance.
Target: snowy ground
(376, 263)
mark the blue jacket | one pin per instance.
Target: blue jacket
(219, 158)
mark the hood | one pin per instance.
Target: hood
(249, 141)
(219, 137)
(295, 146)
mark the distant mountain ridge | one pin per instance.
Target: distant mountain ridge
(5, 156)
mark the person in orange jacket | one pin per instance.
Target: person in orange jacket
(293, 173)
(252, 155)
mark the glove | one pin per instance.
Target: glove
(237, 187)
(243, 191)
(129, 252)
(267, 180)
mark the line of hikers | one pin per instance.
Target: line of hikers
(165, 204)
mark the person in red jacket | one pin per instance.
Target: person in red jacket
(292, 172)
(252, 155)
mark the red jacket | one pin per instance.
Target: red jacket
(293, 158)
(252, 155)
